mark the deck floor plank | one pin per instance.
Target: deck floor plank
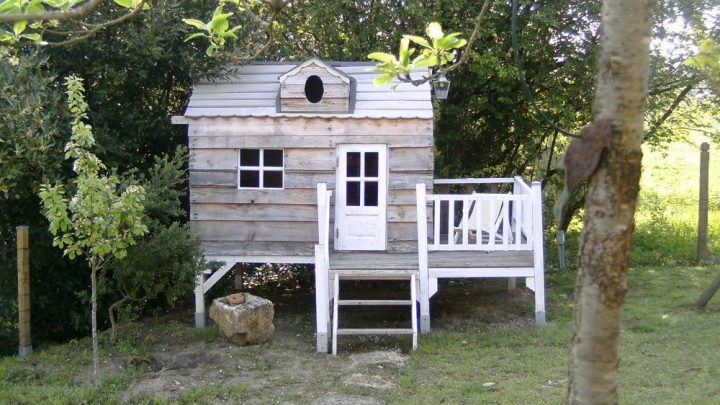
(340, 261)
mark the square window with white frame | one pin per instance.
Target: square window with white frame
(261, 168)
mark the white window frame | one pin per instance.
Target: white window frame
(261, 169)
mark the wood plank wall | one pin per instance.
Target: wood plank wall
(284, 222)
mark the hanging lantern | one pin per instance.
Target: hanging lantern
(441, 85)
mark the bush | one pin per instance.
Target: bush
(161, 267)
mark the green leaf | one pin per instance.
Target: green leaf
(404, 54)
(19, 27)
(124, 3)
(220, 22)
(10, 7)
(33, 37)
(434, 30)
(425, 61)
(383, 57)
(418, 40)
(195, 23)
(195, 35)
(383, 79)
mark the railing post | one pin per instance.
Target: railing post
(538, 253)
(322, 211)
(423, 258)
(322, 269)
(23, 267)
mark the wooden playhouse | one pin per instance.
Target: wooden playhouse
(312, 163)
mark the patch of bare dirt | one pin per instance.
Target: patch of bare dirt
(287, 369)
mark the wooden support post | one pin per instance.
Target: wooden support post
(423, 258)
(23, 260)
(200, 301)
(322, 299)
(538, 253)
(703, 254)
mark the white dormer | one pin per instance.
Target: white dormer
(314, 86)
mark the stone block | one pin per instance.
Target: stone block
(248, 323)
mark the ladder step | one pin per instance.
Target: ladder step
(398, 331)
(374, 302)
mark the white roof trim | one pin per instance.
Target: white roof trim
(317, 62)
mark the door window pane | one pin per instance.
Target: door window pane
(353, 165)
(249, 178)
(272, 179)
(371, 164)
(273, 158)
(352, 194)
(371, 193)
(249, 157)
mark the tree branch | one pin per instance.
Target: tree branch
(678, 99)
(463, 57)
(266, 45)
(99, 27)
(52, 15)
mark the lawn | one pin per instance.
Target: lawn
(668, 350)
(482, 351)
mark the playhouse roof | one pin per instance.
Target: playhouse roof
(253, 92)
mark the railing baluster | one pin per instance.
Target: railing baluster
(465, 221)
(436, 220)
(517, 214)
(505, 219)
(451, 222)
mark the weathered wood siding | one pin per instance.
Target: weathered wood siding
(335, 89)
(230, 221)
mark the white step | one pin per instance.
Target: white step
(378, 331)
(337, 303)
(374, 302)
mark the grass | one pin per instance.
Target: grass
(668, 351)
(667, 213)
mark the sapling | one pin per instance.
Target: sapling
(100, 220)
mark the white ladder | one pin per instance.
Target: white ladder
(374, 275)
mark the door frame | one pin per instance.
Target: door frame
(340, 192)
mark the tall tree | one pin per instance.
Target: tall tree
(620, 93)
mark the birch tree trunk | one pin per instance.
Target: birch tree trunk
(620, 92)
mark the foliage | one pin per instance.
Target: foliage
(708, 62)
(99, 221)
(161, 267)
(30, 21)
(30, 107)
(256, 17)
(141, 74)
(32, 137)
(436, 52)
(217, 30)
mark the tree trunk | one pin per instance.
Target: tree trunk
(620, 92)
(93, 318)
(111, 315)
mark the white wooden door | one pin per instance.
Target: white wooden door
(360, 205)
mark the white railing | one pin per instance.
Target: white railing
(323, 202)
(479, 221)
(322, 267)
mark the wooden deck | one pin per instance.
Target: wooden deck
(382, 261)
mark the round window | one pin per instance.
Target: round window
(314, 89)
